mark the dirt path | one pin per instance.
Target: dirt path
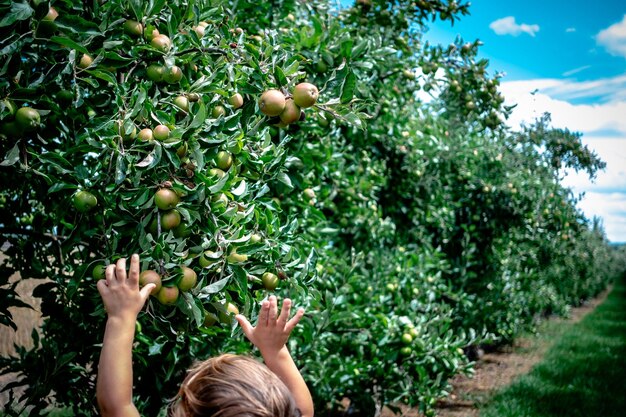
(497, 370)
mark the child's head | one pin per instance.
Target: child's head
(233, 386)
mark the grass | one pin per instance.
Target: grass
(583, 373)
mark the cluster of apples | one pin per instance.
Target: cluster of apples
(168, 295)
(287, 108)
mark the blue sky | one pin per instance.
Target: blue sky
(567, 58)
(563, 42)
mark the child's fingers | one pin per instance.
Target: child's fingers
(145, 291)
(294, 320)
(245, 326)
(120, 270)
(284, 313)
(264, 314)
(133, 276)
(273, 312)
(102, 287)
(109, 274)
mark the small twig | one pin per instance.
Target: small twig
(206, 50)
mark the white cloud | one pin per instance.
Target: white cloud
(613, 38)
(575, 71)
(508, 26)
(606, 196)
(613, 179)
(533, 98)
(611, 209)
(570, 30)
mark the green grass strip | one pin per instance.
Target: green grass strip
(583, 374)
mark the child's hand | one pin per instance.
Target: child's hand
(272, 331)
(122, 296)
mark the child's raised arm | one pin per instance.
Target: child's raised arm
(270, 336)
(123, 300)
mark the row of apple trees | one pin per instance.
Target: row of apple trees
(394, 205)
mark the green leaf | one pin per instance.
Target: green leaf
(61, 186)
(347, 87)
(155, 7)
(240, 189)
(218, 185)
(284, 178)
(103, 76)
(69, 43)
(215, 287)
(12, 157)
(281, 80)
(120, 169)
(151, 160)
(190, 308)
(292, 68)
(199, 117)
(19, 11)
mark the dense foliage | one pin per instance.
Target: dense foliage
(401, 212)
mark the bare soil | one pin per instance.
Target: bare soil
(26, 320)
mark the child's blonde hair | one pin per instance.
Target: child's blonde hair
(233, 386)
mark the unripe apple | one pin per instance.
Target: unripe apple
(150, 277)
(132, 27)
(236, 258)
(236, 100)
(182, 103)
(150, 33)
(193, 97)
(309, 193)
(218, 111)
(168, 295)
(51, 15)
(270, 281)
(208, 258)
(85, 61)
(172, 74)
(188, 280)
(47, 26)
(145, 135)
(216, 172)
(182, 151)
(199, 30)
(27, 119)
(161, 43)
(305, 95)
(272, 103)
(161, 132)
(170, 219)
(166, 199)
(223, 160)
(99, 272)
(291, 113)
(155, 72)
(84, 201)
(120, 129)
(220, 200)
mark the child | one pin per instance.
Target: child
(228, 385)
